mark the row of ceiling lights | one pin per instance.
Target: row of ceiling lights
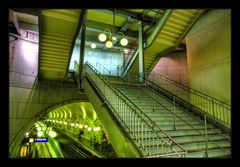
(103, 37)
(75, 125)
(109, 43)
(112, 37)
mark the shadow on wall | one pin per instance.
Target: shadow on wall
(174, 66)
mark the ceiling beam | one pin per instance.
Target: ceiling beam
(98, 26)
(93, 39)
(126, 25)
(147, 20)
(30, 11)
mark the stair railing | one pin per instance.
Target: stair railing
(135, 122)
(218, 110)
(132, 51)
(140, 85)
(103, 70)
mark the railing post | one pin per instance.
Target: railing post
(169, 84)
(153, 99)
(104, 90)
(206, 135)
(174, 126)
(139, 92)
(127, 79)
(213, 110)
(142, 130)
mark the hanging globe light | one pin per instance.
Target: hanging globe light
(102, 37)
(124, 41)
(109, 44)
(93, 45)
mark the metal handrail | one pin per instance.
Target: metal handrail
(175, 115)
(197, 130)
(100, 67)
(134, 111)
(128, 58)
(185, 87)
(211, 106)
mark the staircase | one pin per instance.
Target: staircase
(157, 126)
(143, 134)
(184, 127)
(173, 27)
(58, 29)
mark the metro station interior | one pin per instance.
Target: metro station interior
(119, 83)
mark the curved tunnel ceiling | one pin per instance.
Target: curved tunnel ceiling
(79, 112)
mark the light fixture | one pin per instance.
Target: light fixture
(124, 41)
(52, 134)
(81, 126)
(93, 45)
(102, 37)
(96, 129)
(109, 44)
(39, 134)
(125, 50)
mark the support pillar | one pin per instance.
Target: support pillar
(82, 50)
(140, 55)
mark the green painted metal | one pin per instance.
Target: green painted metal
(131, 62)
(158, 28)
(81, 22)
(140, 50)
(82, 53)
(171, 34)
(58, 28)
(189, 27)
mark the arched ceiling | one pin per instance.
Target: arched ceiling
(75, 112)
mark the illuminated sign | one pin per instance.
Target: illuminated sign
(45, 139)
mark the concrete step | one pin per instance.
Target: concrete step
(188, 139)
(214, 153)
(191, 132)
(194, 149)
(170, 127)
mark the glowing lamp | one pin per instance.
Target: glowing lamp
(124, 41)
(102, 37)
(109, 44)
